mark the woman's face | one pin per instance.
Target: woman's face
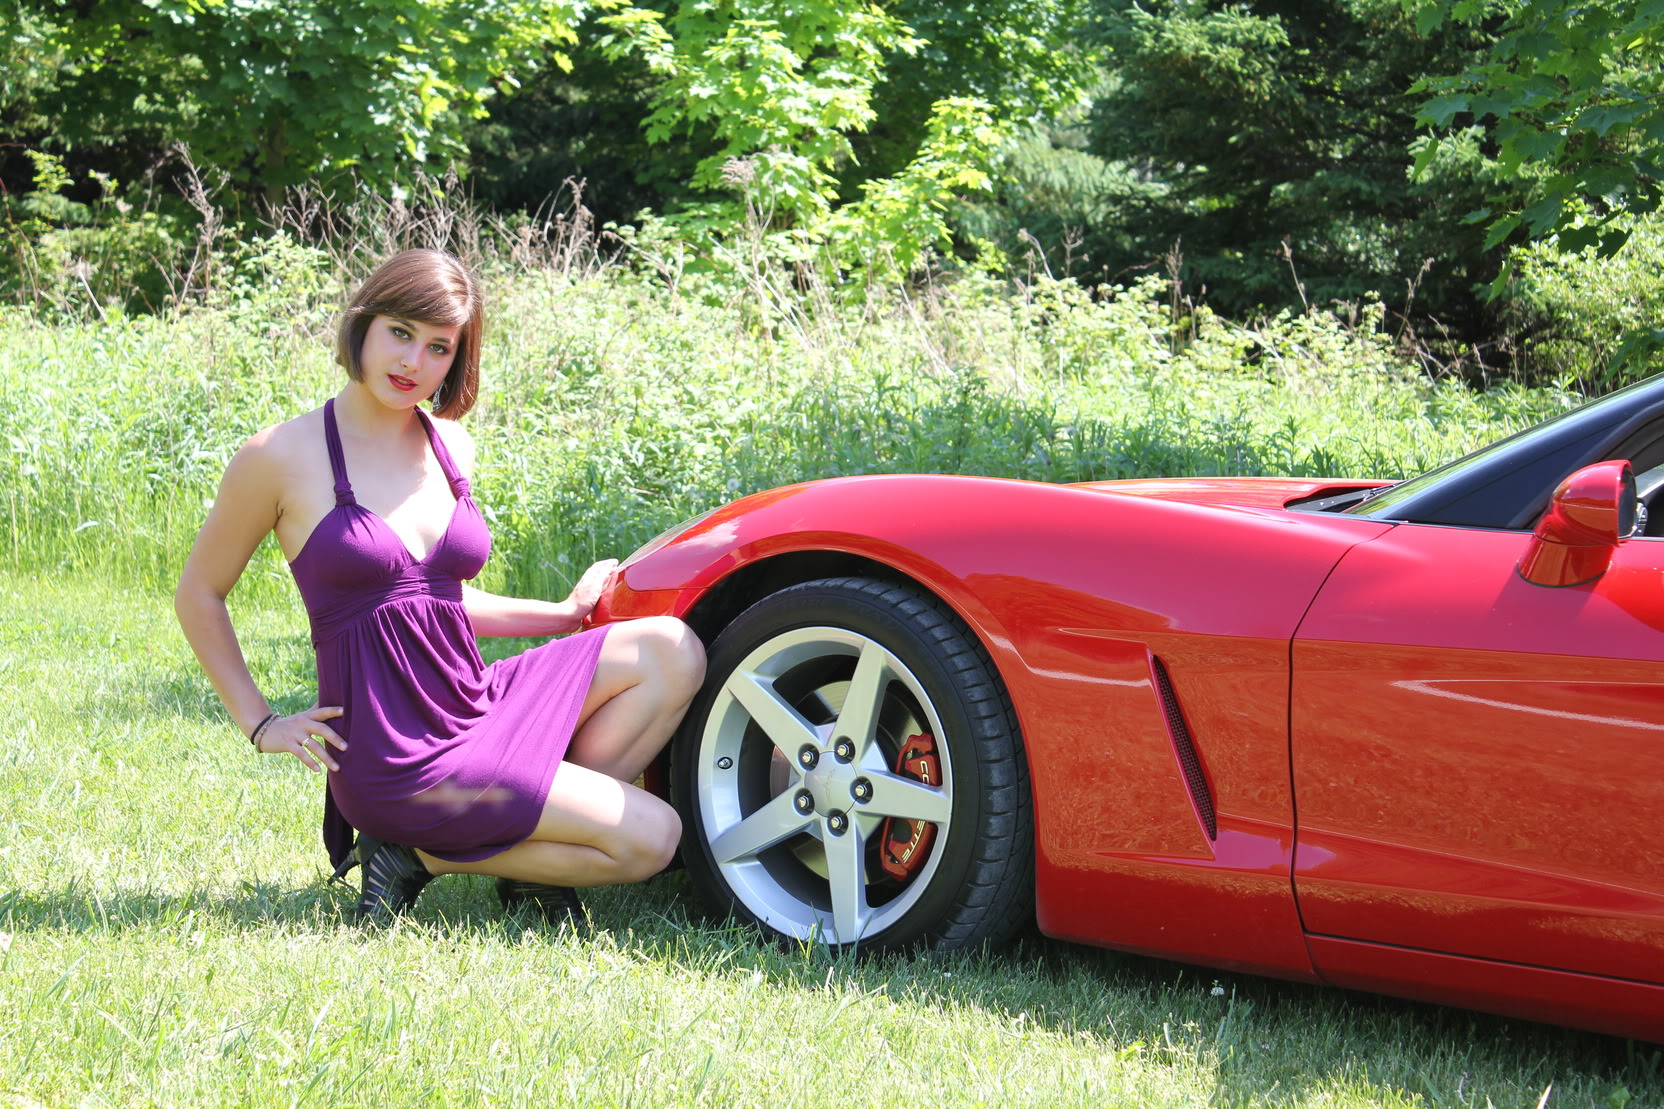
(404, 361)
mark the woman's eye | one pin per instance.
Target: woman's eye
(440, 349)
(400, 333)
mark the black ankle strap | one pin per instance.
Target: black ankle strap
(362, 848)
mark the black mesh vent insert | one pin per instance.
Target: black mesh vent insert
(1188, 762)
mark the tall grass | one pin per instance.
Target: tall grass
(613, 407)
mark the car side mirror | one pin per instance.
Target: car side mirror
(1588, 515)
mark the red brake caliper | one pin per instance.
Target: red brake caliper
(906, 843)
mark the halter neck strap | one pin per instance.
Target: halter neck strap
(459, 484)
(338, 460)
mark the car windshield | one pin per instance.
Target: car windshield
(1526, 444)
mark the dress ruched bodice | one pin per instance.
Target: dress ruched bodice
(364, 564)
(443, 752)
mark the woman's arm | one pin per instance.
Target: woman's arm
(243, 512)
(494, 615)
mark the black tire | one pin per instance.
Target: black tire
(862, 661)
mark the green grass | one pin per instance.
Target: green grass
(168, 936)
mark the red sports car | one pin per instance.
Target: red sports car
(1398, 737)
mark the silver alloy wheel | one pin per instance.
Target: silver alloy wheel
(794, 776)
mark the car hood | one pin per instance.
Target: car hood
(1242, 492)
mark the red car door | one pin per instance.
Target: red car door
(1478, 761)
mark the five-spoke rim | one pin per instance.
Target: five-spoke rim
(795, 779)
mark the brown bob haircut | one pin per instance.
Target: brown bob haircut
(421, 286)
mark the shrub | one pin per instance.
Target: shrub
(73, 258)
(1589, 322)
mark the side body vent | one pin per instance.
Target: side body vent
(1200, 795)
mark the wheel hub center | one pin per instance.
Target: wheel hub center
(829, 783)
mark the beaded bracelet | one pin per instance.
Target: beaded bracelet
(259, 730)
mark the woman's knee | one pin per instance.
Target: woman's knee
(675, 652)
(652, 842)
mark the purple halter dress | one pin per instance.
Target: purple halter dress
(443, 752)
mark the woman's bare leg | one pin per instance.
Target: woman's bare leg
(644, 680)
(596, 829)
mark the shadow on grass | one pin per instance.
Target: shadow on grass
(1264, 1034)
(1257, 1036)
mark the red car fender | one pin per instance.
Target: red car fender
(1088, 602)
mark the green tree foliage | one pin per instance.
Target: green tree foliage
(586, 124)
(1057, 204)
(1585, 320)
(26, 64)
(779, 88)
(900, 218)
(1022, 61)
(780, 83)
(277, 92)
(1291, 122)
(32, 110)
(1026, 61)
(1572, 96)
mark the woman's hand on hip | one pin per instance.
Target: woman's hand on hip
(305, 736)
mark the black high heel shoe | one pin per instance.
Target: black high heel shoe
(393, 878)
(558, 904)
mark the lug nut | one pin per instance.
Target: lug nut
(845, 750)
(807, 757)
(804, 802)
(725, 763)
(861, 790)
(838, 822)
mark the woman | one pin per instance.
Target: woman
(520, 769)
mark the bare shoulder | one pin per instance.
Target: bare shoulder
(273, 455)
(282, 444)
(458, 442)
(254, 497)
